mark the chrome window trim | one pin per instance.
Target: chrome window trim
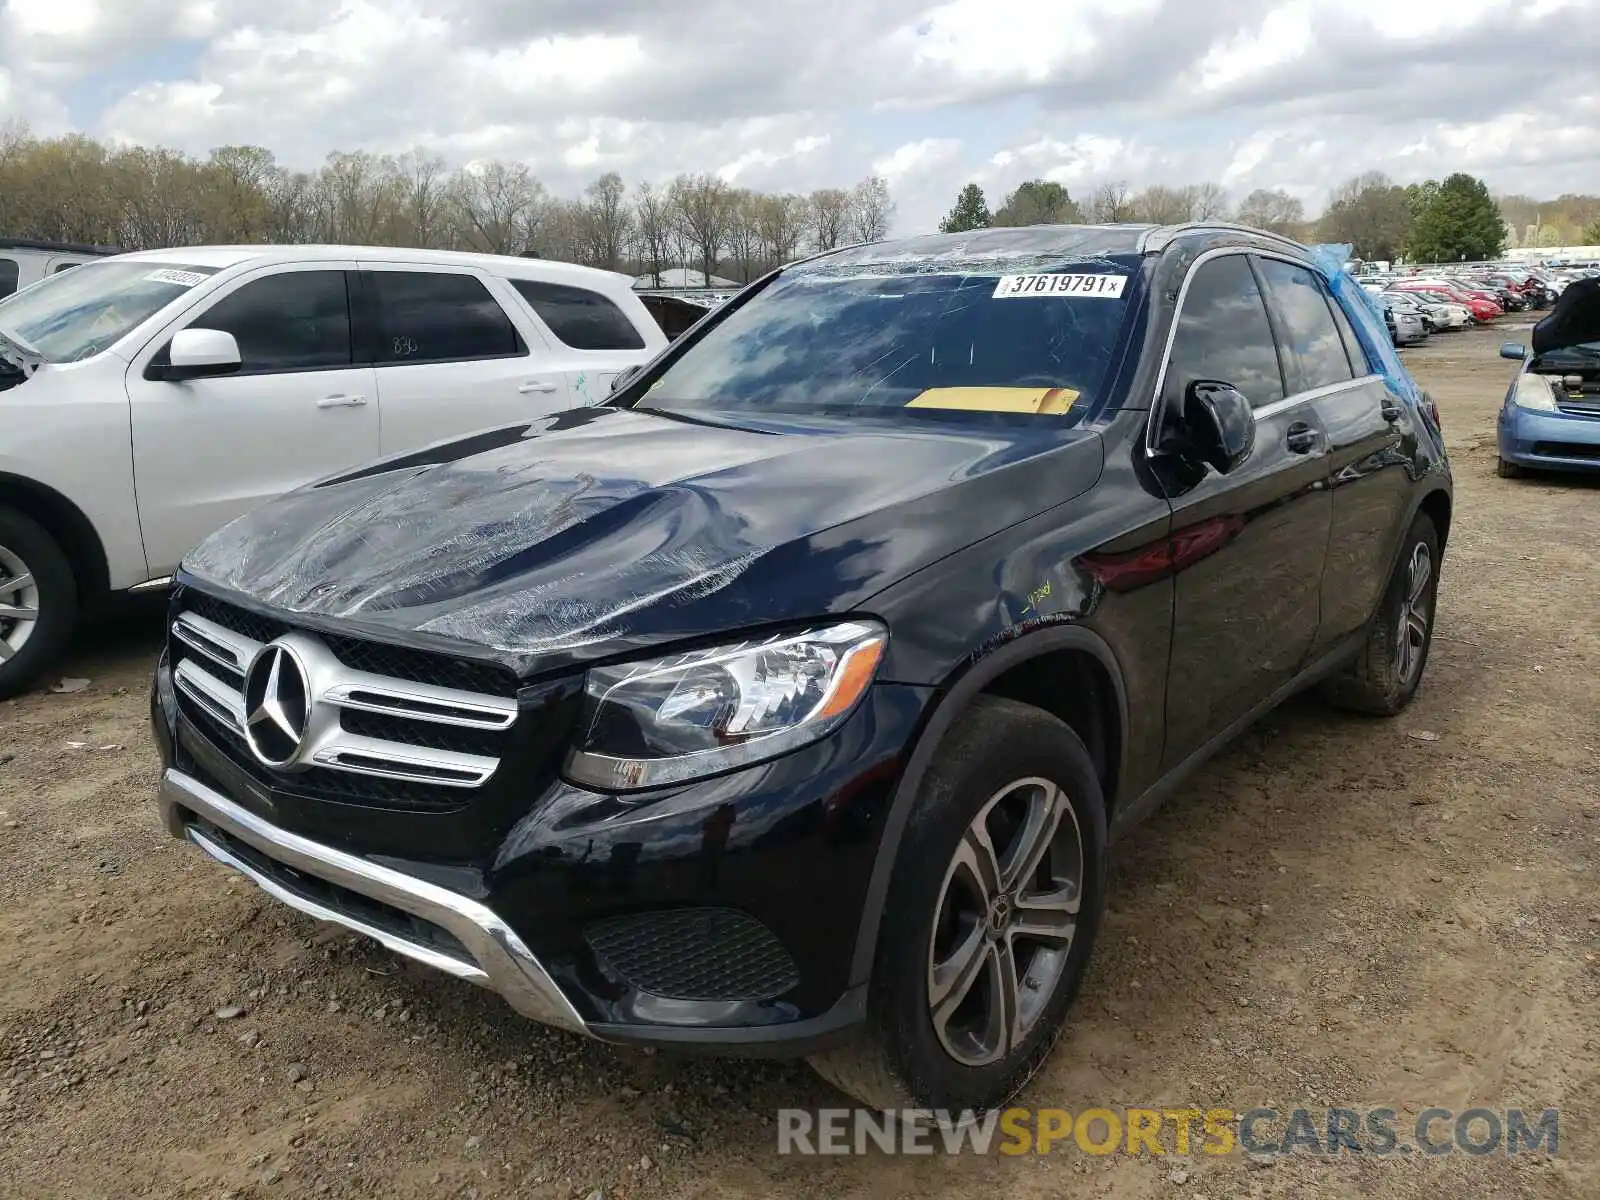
(1284, 404)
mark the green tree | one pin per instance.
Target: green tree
(1591, 234)
(971, 212)
(1459, 221)
(1039, 202)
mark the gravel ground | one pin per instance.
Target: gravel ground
(1336, 911)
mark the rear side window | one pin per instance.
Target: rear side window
(1223, 335)
(296, 321)
(60, 267)
(1359, 362)
(581, 319)
(10, 272)
(434, 317)
(1313, 352)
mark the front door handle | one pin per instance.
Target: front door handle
(1302, 438)
(1392, 412)
(536, 385)
(340, 400)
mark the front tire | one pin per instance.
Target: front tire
(1509, 470)
(1384, 677)
(992, 911)
(38, 601)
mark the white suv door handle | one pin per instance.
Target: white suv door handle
(536, 385)
(341, 401)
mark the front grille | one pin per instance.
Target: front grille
(405, 742)
(694, 954)
(1567, 450)
(376, 658)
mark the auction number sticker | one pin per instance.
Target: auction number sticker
(1106, 287)
(181, 278)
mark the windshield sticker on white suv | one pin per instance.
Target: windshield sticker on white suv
(181, 278)
(1105, 287)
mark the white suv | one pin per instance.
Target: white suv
(147, 399)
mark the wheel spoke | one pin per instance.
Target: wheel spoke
(952, 978)
(1417, 626)
(15, 612)
(1032, 841)
(6, 651)
(1421, 573)
(1000, 1028)
(16, 583)
(975, 858)
(1050, 917)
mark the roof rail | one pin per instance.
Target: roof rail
(1155, 240)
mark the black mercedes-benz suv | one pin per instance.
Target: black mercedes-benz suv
(789, 701)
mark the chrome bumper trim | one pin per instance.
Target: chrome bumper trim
(500, 961)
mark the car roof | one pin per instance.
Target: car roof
(1010, 248)
(45, 247)
(223, 257)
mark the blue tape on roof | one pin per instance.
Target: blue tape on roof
(1367, 316)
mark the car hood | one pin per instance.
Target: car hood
(1573, 321)
(600, 530)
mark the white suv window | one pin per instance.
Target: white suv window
(428, 317)
(296, 321)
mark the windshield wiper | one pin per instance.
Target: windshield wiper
(20, 355)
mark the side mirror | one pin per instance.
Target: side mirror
(200, 353)
(1219, 423)
(1515, 351)
(623, 378)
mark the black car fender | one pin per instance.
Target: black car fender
(948, 709)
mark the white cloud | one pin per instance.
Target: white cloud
(800, 94)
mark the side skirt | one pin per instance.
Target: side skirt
(1131, 814)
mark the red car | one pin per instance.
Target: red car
(1479, 305)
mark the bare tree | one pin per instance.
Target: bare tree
(830, 217)
(871, 209)
(423, 204)
(652, 222)
(1273, 210)
(498, 203)
(1111, 203)
(782, 220)
(1207, 202)
(744, 236)
(609, 219)
(704, 207)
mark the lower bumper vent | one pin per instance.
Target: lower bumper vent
(695, 954)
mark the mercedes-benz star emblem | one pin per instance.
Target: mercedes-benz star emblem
(277, 704)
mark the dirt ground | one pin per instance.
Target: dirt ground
(1335, 912)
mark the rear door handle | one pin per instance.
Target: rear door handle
(536, 385)
(1302, 438)
(341, 401)
(1392, 412)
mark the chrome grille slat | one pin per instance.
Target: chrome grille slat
(211, 665)
(221, 645)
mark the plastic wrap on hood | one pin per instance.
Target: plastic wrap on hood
(1366, 315)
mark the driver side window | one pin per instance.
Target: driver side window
(1223, 335)
(294, 321)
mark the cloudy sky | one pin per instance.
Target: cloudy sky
(776, 94)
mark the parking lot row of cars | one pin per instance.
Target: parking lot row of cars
(1423, 302)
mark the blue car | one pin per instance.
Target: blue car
(1551, 417)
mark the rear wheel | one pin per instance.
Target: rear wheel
(1385, 675)
(38, 601)
(990, 918)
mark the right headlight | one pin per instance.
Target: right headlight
(669, 720)
(1534, 392)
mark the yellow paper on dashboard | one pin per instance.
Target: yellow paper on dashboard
(1044, 401)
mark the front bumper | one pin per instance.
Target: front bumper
(1552, 441)
(330, 885)
(786, 847)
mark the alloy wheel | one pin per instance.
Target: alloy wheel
(1416, 613)
(1007, 916)
(19, 604)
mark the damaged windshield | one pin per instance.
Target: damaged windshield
(76, 314)
(1038, 344)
